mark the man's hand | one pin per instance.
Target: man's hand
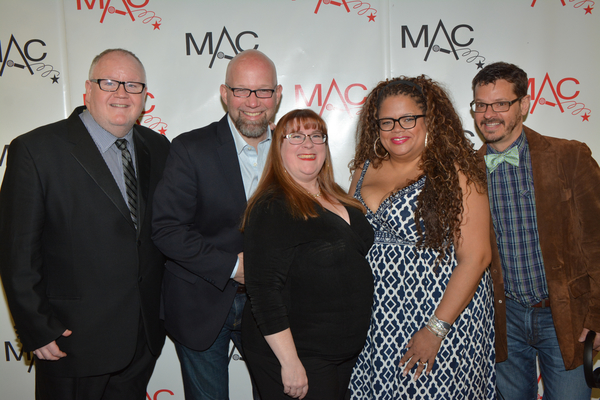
(51, 351)
(584, 333)
(239, 274)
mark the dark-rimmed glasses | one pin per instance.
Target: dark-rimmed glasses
(298, 138)
(259, 93)
(110, 85)
(407, 122)
(499, 106)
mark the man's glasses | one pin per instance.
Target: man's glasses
(259, 93)
(408, 122)
(499, 106)
(299, 138)
(109, 85)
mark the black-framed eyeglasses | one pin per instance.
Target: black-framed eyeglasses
(407, 122)
(259, 93)
(499, 106)
(110, 85)
(298, 138)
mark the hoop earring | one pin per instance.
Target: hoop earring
(375, 149)
(426, 136)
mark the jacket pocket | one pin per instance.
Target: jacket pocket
(181, 272)
(579, 286)
(63, 297)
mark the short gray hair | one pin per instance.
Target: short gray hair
(97, 59)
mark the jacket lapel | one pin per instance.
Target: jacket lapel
(548, 192)
(230, 164)
(86, 153)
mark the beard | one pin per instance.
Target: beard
(512, 124)
(253, 129)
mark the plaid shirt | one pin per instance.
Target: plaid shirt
(512, 203)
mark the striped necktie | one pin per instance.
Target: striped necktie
(130, 180)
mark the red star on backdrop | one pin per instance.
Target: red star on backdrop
(162, 131)
(588, 10)
(156, 26)
(585, 117)
(371, 17)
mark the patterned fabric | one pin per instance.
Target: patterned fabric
(510, 156)
(407, 292)
(130, 179)
(512, 202)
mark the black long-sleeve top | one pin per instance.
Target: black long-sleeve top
(307, 275)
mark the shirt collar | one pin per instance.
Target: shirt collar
(102, 137)
(240, 143)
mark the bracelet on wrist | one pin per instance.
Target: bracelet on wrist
(438, 327)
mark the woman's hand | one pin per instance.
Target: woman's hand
(293, 374)
(295, 382)
(422, 349)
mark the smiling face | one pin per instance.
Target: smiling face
(400, 142)
(251, 115)
(500, 129)
(116, 112)
(303, 162)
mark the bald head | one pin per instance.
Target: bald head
(251, 59)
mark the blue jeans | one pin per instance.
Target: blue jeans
(206, 373)
(530, 332)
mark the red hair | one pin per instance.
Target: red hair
(275, 179)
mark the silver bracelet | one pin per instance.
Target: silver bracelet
(440, 335)
(438, 327)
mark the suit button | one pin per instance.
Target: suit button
(140, 279)
(139, 243)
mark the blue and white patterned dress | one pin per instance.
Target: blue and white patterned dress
(407, 292)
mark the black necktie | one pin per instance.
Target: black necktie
(130, 181)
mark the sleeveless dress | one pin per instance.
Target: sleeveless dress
(407, 292)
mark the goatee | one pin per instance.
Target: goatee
(251, 130)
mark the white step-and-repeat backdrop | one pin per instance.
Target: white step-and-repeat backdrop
(329, 54)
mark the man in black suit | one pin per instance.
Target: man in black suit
(210, 174)
(81, 274)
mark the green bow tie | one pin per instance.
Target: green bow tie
(493, 160)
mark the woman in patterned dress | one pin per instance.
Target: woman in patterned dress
(432, 333)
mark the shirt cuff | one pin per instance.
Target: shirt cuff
(237, 264)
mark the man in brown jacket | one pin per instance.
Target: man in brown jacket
(544, 197)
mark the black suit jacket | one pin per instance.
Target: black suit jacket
(70, 256)
(197, 211)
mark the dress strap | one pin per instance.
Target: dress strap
(362, 175)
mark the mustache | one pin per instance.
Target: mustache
(492, 121)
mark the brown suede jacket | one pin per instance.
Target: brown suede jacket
(567, 194)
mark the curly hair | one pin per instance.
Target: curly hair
(448, 152)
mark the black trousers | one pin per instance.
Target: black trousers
(127, 384)
(328, 378)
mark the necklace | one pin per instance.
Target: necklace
(318, 194)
